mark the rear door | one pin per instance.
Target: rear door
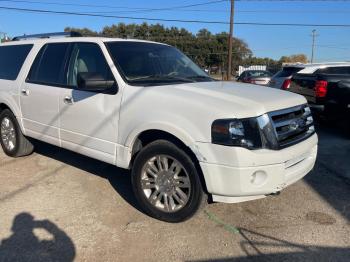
(40, 93)
(89, 120)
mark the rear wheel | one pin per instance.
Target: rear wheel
(13, 142)
(166, 182)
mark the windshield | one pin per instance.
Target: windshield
(143, 63)
(288, 71)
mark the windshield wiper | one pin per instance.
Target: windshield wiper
(199, 77)
(161, 78)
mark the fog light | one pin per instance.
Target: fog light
(258, 178)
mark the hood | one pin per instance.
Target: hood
(231, 99)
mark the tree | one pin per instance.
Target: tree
(205, 48)
(298, 58)
(83, 31)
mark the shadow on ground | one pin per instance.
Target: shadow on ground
(120, 179)
(24, 245)
(333, 186)
(254, 244)
(331, 175)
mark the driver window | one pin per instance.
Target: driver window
(87, 58)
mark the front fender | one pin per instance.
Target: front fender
(125, 152)
(165, 127)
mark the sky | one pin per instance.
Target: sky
(332, 43)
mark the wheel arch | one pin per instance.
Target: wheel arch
(11, 102)
(3, 106)
(13, 107)
(182, 141)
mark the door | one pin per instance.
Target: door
(89, 120)
(41, 91)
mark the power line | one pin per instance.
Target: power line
(131, 9)
(335, 11)
(184, 8)
(115, 7)
(44, 11)
(310, 1)
(333, 47)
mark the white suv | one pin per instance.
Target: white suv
(147, 107)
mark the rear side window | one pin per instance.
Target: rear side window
(49, 65)
(338, 70)
(12, 59)
(288, 71)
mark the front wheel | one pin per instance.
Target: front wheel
(166, 182)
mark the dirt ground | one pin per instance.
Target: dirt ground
(56, 205)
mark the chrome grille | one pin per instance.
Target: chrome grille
(292, 125)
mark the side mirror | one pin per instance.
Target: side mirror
(94, 82)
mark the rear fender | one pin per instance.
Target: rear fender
(11, 101)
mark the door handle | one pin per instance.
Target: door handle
(68, 100)
(25, 92)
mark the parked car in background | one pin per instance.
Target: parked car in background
(282, 79)
(325, 86)
(257, 77)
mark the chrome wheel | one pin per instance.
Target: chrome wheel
(8, 134)
(165, 183)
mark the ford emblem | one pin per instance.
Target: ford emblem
(296, 124)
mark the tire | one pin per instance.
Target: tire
(20, 146)
(170, 182)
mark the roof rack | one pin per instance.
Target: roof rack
(47, 35)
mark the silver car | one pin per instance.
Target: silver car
(257, 77)
(282, 79)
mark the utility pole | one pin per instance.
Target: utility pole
(314, 35)
(230, 41)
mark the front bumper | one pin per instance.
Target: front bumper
(233, 172)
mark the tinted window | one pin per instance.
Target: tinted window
(288, 71)
(12, 59)
(152, 64)
(48, 67)
(338, 70)
(87, 58)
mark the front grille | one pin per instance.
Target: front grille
(292, 125)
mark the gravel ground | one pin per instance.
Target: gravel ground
(56, 205)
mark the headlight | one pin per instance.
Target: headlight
(236, 132)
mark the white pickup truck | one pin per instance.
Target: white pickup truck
(146, 107)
